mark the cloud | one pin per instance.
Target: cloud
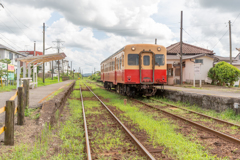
(221, 5)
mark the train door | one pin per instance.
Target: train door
(147, 67)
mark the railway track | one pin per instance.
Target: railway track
(198, 125)
(89, 156)
(126, 130)
(219, 134)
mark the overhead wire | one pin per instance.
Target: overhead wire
(189, 35)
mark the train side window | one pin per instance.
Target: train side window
(113, 65)
(120, 65)
(123, 60)
(146, 60)
(159, 59)
(133, 59)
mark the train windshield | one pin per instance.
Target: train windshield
(146, 60)
(159, 59)
(133, 59)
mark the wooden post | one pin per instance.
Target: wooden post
(9, 123)
(21, 107)
(26, 92)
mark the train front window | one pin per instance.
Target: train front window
(133, 59)
(159, 59)
(146, 60)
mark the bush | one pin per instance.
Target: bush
(224, 72)
(96, 76)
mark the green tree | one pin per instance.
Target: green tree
(4, 72)
(224, 72)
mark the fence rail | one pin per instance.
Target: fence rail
(9, 116)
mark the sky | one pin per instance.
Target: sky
(92, 30)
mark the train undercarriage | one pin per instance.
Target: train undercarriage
(133, 90)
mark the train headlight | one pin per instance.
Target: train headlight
(159, 48)
(133, 48)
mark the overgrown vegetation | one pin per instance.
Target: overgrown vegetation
(228, 115)
(224, 73)
(72, 134)
(95, 76)
(160, 132)
(55, 93)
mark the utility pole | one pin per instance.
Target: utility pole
(43, 52)
(58, 68)
(230, 41)
(58, 47)
(33, 64)
(181, 49)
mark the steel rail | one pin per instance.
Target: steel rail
(229, 123)
(89, 157)
(145, 151)
(217, 133)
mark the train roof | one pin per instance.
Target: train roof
(124, 48)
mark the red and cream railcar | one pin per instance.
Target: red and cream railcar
(135, 69)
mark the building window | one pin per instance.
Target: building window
(11, 55)
(177, 72)
(170, 72)
(133, 59)
(199, 61)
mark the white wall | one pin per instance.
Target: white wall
(189, 69)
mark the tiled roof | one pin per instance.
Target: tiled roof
(187, 49)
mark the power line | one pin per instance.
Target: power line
(189, 35)
(236, 18)
(219, 40)
(17, 19)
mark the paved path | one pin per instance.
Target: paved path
(205, 92)
(35, 95)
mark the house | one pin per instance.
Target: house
(6, 52)
(190, 56)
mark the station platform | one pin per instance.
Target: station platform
(214, 91)
(36, 96)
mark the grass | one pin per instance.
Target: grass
(105, 138)
(228, 115)
(87, 94)
(48, 81)
(72, 134)
(7, 88)
(161, 132)
(54, 94)
(75, 94)
(34, 152)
